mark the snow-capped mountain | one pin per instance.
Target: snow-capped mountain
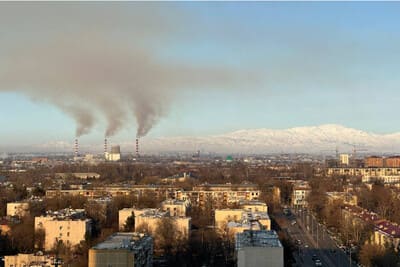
(323, 139)
(315, 139)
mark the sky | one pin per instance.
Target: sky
(195, 68)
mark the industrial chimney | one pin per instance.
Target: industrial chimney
(137, 147)
(76, 148)
(105, 147)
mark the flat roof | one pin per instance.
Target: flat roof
(257, 238)
(121, 240)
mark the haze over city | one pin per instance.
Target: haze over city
(201, 134)
(194, 69)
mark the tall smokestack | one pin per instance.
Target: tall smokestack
(137, 147)
(76, 148)
(105, 147)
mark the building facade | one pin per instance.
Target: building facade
(123, 250)
(258, 248)
(68, 226)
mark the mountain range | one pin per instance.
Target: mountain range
(323, 139)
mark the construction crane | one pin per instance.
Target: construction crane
(356, 148)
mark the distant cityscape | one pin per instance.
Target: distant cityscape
(277, 210)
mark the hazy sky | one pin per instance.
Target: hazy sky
(195, 68)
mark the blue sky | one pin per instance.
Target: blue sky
(312, 63)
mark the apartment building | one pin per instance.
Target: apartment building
(67, 225)
(385, 233)
(220, 194)
(31, 260)
(300, 194)
(123, 250)
(17, 209)
(176, 208)
(152, 218)
(258, 248)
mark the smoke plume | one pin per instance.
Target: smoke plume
(98, 74)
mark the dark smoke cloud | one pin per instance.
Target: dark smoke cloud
(98, 73)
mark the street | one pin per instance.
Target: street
(314, 242)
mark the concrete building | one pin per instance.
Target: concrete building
(385, 179)
(344, 159)
(253, 206)
(385, 233)
(364, 171)
(68, 225)
(125, 213)
(220, 194)
(123, 250)
(392, 162)
(176, 208)
(251, 215)
(18, 209)
(258, 248)
(373, 162)
(300, 194)
(79, 175)
(152, 218)
(346, 198)
(114, 155)
(29, 260)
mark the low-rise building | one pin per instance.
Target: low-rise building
(68, 226)
(176, 208)
(385, 179)
(220, 194)
(18, 209)
(123, 250)
(300, 194)
(346, 198)
(151, 219)
(29, 260)
(258, 248)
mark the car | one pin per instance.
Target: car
(305, 245)
(314, 257)
(293, 222)
(318, 263)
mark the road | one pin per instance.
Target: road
(314, 241)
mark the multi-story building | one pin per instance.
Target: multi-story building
(29, 260)
(68, 226)
(386, 179)
(373, 162)
(346, 198)
(386, 171)
(253, 206)
(138, 191)
(300, 194)
(152, 218)
(392, 162)
(344, 159)
(18, 209)
(258, 248)
(250, 215)
(176, 208)
(220, 194)
(123, 250)
(385, 233)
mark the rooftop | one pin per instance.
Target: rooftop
(258, 238)
(119, 240)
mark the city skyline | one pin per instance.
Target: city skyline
(273, 68)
